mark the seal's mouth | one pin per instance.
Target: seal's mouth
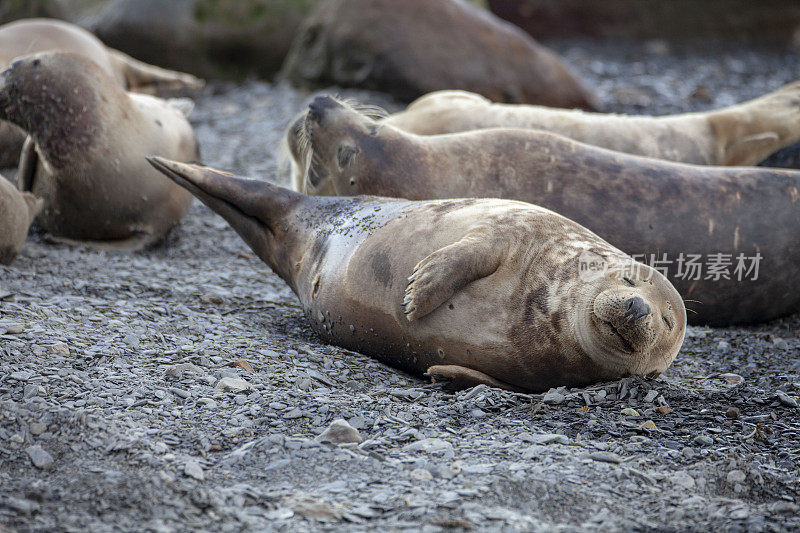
(626, 344)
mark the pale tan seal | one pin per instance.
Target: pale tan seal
(743, 134)
(17, 211)
(744, 220)
(85, 154)
(30, 36)
(476, 291)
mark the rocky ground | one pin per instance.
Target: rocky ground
(121, 405)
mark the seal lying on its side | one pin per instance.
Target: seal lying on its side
(706, 222)
(743, 134)
(30, 36)
(17, 211)
(85, 156)
(476, 291)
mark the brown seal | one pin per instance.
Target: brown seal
(17, 211)
(30, 36)
(476, 291)
(738, 228)
(743, 134)
(85, 154)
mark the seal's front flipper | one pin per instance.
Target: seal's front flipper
(460, 377)
(28, 160)
(436, 278)
(135, 243)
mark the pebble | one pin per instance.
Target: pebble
(20, 376)
(420, 475)
(649, 425)
(780, 343)
(37, 428)
(553, 397)
(732, 379)
(193, 469)
(785, 399)
(431, 445)
(59, 348)
(733, 413)
(292, 414)
(15, 329)
(39, 457)
(209, 403)
(233, 385)
(723, 346)
(606, 457)
(703, 440)
(549, 438)
(178, 370)
(735, 476)
(180, 392)
(339, 432)
(684, 480)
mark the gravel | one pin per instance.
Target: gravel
(123, 377)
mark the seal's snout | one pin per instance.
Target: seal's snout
(636, 309)
(320, 106)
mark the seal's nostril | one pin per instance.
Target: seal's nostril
(636, 309)
(317, 108)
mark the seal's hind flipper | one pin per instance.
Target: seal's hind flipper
(439, 276)
(456, 377)
(143, 78)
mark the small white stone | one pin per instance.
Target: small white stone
(340, 432)
(233, 385)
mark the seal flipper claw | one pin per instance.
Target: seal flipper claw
(456, 377)
(447, 270)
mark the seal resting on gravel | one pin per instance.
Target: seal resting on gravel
(30, 36)
(17, 211)
(743, 134)
(739, 216)
(85, 154)
(471, 291)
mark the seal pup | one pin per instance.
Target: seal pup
(748, 217)
(85, 154)
(30, 36)
(743, 134)
(474, 291)
(17, 211)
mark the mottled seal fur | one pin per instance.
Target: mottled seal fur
(642, 205)
(17, 211)
(85, 154)
(474, 291)
(30, 36)
(743, 134)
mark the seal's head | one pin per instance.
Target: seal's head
(327, 144)
(629, 318)
(55, 97)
